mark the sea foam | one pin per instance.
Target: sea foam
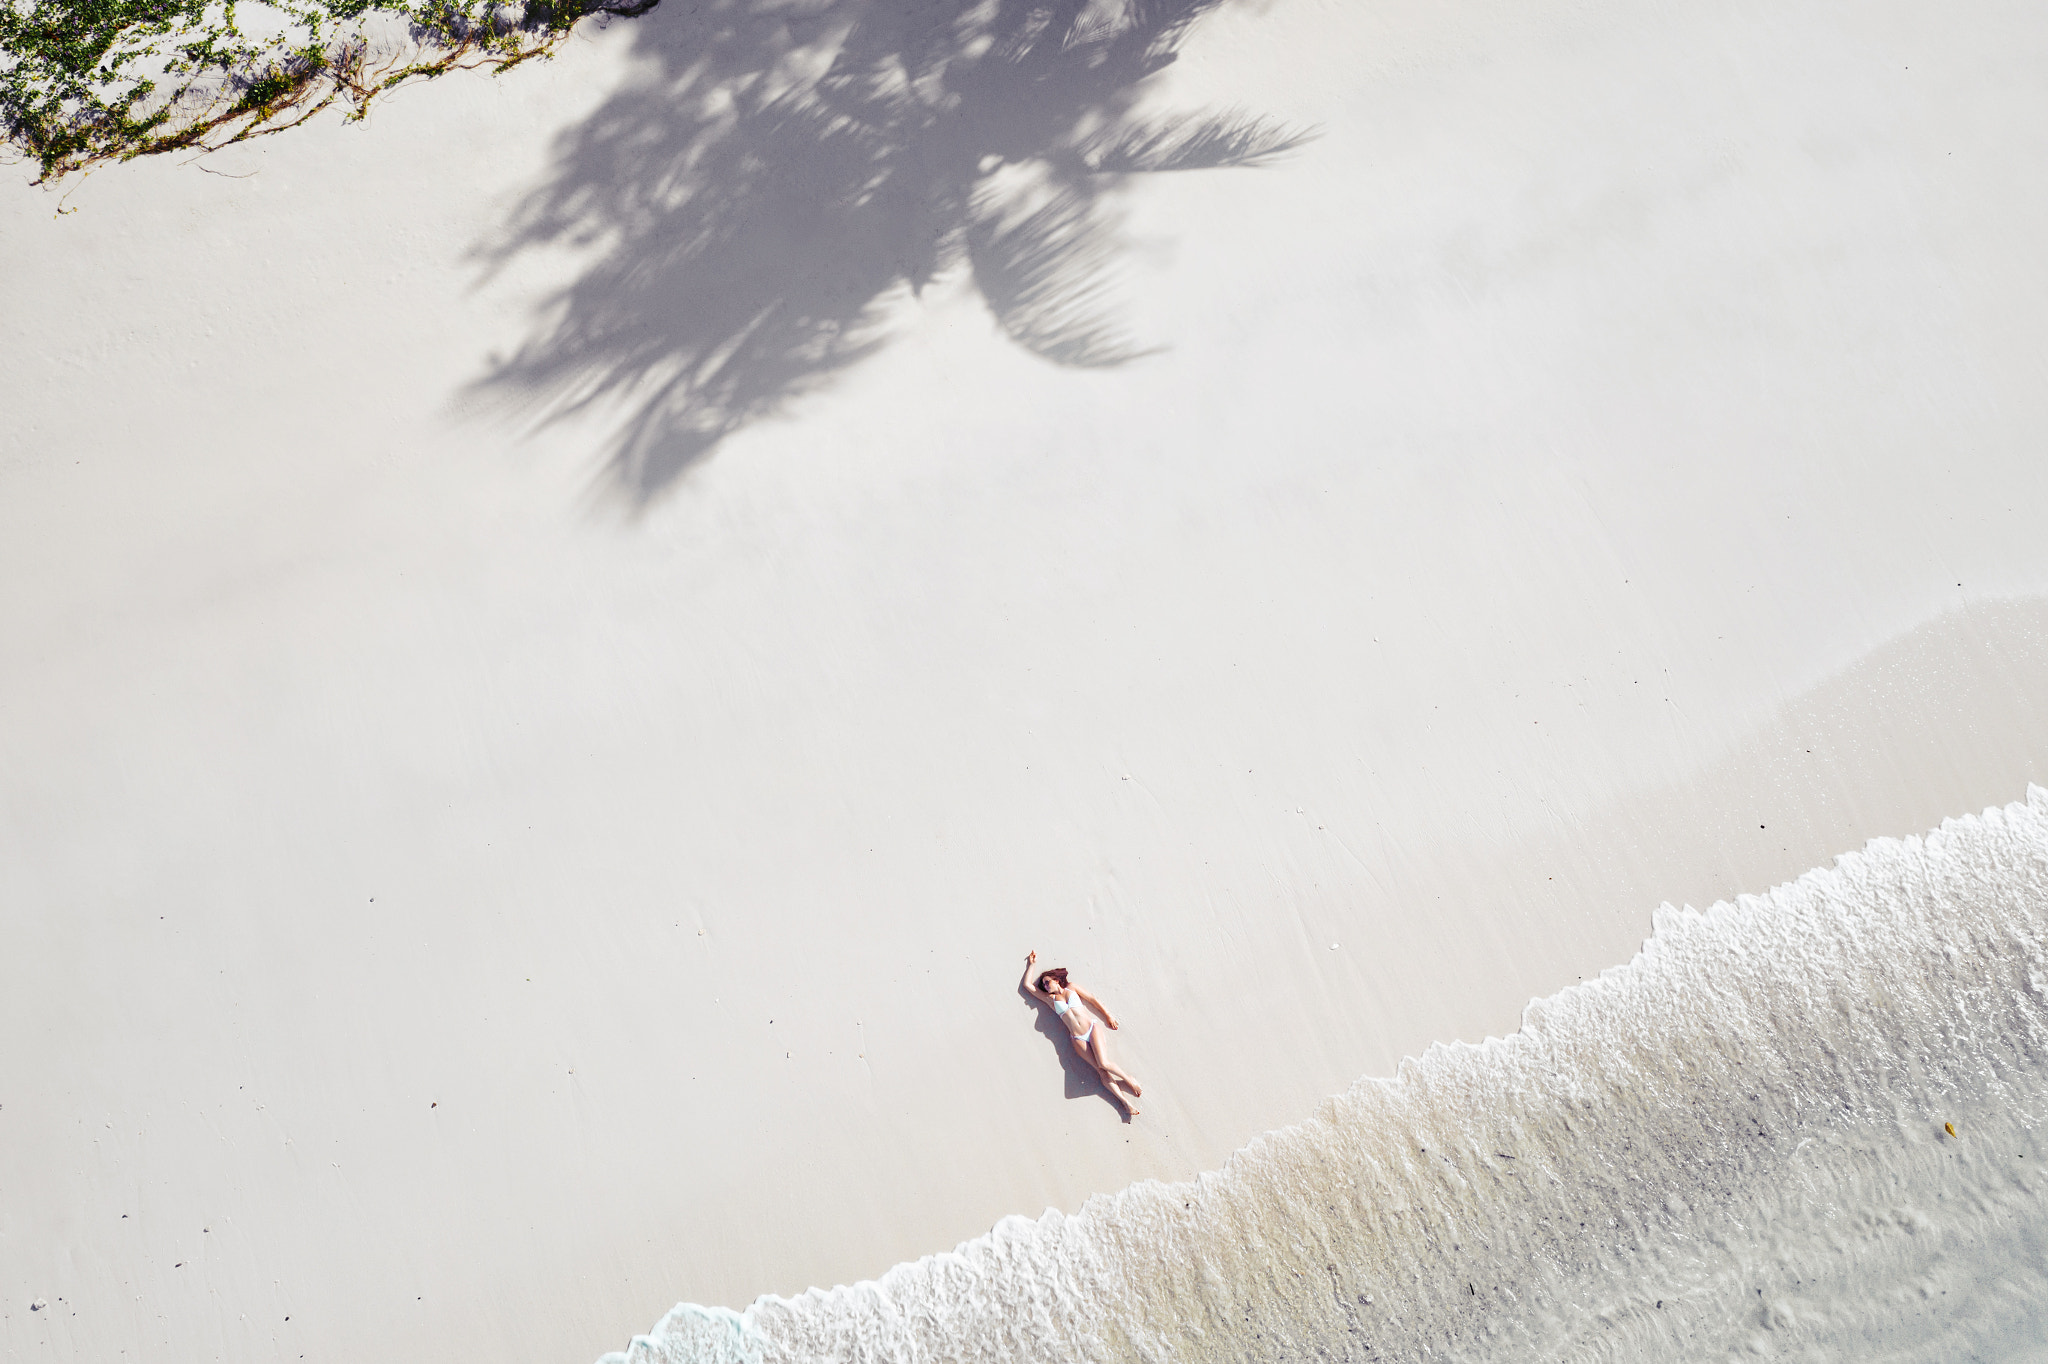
(1737, 1143)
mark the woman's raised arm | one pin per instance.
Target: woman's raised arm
(1031, 960)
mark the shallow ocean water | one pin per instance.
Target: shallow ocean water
(1805, 1125)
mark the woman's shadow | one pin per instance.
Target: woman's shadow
(1082, 1077)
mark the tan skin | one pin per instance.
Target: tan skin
(1079, 1023)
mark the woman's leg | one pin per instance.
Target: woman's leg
(1100, 1056)
(1087, 1051)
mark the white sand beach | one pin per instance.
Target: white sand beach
(464, 895)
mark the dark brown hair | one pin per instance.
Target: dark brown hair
(1058, 973)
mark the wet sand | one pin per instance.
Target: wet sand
(463, 906)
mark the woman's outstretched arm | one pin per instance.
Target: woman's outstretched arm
(1100, 1009)
(1030, 985)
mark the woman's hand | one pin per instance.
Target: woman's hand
(1031, 956)
(1111, 1022)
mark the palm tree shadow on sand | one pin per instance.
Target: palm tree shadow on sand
(777, 172)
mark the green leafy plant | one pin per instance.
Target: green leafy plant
(88, 81)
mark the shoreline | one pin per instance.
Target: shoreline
(1958, 716)
(463, 912)
(1846, 982)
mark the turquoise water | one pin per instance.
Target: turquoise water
(1736, 1144)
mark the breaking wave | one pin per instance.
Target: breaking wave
(1803, 1125)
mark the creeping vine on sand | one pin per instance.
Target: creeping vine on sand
(84, 82)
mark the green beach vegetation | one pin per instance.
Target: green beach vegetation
(88, 81)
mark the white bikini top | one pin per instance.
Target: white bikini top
(1060, 1006)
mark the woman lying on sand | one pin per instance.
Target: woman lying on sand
(1066, 1000)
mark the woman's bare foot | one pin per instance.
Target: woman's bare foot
(1132, 1085)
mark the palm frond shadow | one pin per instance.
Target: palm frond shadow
(780, 171)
